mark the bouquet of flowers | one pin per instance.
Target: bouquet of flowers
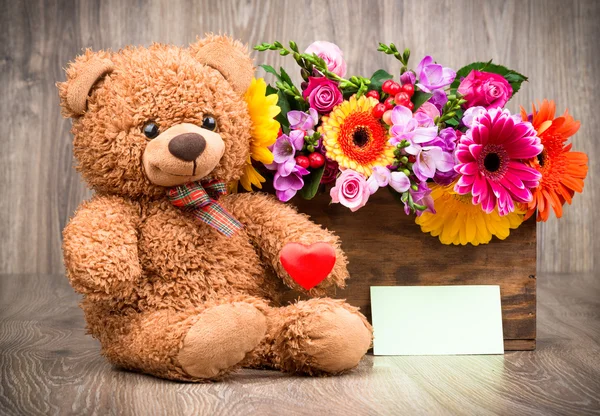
(440, 140)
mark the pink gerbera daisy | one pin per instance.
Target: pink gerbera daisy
(491, 156)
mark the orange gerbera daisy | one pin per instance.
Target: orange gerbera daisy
(563, 171)
(354, 138)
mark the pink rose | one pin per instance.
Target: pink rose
(331, 54)
(485, 89)
(322, 94)
(351, 190)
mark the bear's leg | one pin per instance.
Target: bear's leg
(318, 336)
(202, 343)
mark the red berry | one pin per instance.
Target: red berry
(378, 110)
(389, 86)
(389, 103)
(402, 98)
(373, 94)
(409, 89)
(395, 88)
(411, 105)
(316, 160)
(412, 159)
(302, 161)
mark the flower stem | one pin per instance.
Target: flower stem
(311, 62)
(391, 49)
(450, 110)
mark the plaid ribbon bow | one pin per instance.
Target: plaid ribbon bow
(200, 199)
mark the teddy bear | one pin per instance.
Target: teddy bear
(180, 279)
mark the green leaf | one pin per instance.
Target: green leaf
(378, 78)
(285, 77)
(284, 104)
(455, 121)
(419, 98)
(514, 78)
(271, 90)
(348, 93)
(271, 70)
(311, 183)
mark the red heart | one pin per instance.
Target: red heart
(308, 265)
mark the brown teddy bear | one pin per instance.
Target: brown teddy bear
(179, 279)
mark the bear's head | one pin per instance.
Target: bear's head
(149, 118)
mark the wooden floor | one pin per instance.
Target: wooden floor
(49, 366)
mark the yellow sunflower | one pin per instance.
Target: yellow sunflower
(458, 221)
(354, 138)
(263, 109)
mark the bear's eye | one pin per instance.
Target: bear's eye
(209, 123)
(151, 129)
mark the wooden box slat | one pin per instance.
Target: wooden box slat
(386, 247)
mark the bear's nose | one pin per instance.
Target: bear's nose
(187, 146)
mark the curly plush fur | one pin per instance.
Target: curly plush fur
(163, 293)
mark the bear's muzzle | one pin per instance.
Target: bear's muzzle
(183, 153)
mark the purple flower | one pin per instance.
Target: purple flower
(423, 119)
(299, 120)
(471, 114)
(433, 76)
(431, 159)
(417, 129)
(288, 176)
(408, 77)
(422, 196)
(446, 140)
(322, 94)
(439, 99)
(284, 152)
(287, 186)
(399, 181)
(331, 54)
(381, 176)
(445, 178)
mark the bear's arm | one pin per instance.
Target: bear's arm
(100, 246)
(272, 224)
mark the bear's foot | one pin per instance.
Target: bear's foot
(221, 339)
(322, 336)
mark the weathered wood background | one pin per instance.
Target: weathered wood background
(554, 42)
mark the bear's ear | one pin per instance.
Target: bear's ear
(82, 74)
(228, 56)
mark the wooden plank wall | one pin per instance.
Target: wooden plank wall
(555, 42)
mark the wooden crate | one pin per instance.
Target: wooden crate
(386, 247)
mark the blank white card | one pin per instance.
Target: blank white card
(436, 320)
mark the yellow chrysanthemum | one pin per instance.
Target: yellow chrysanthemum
(458, 221)
(354, 138)
(263, 109)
